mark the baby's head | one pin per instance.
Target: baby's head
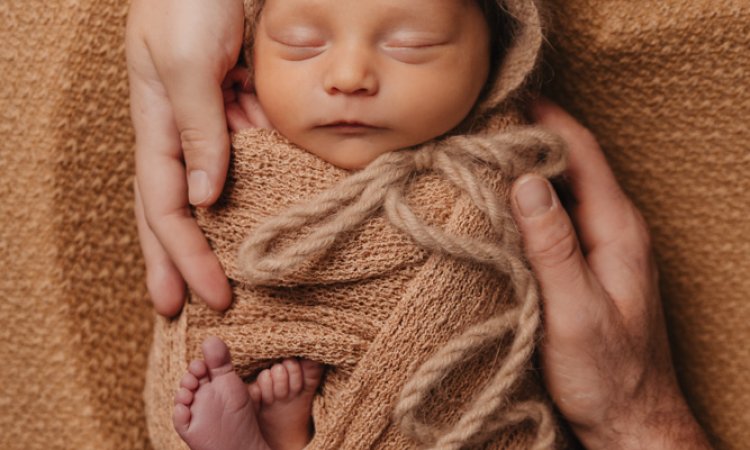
(349, 80)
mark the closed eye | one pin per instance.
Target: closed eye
(414, 52)
(300, 50)
(415, 43)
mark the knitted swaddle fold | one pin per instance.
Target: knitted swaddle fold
(339, 210)
(429, 334)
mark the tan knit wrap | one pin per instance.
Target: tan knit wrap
(378, 305)
(341, 209)
(371, 208)
(662, 84)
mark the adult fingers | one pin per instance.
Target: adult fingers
(572, 296)
(602, 213)
(612, 231)
(196, 44)
(162, 187)
(198, 103)
(162, 277)
(167, 214)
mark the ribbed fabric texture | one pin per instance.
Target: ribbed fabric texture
(75, 325)
(373, 308)
(665, 86)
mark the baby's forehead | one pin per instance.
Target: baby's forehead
(417, 8)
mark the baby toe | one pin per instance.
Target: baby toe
(189, 381)
(265, 384)
(184, 396)
(294, 370)
(280, 379)
(199, 370)
(312, 372)
(216, 354)
(255, 394)
(181, 419)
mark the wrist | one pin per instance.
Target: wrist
(664, 423)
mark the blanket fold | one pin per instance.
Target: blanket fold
(373, 327)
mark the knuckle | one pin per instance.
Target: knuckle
(192, 139)
(202, 141)
(182, 56)
(179, 57)
(556, 246)
(153, 222)
(163, 223)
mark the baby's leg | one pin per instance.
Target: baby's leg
(213, 410)
(283, 398)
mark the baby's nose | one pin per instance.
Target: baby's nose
(351, 72)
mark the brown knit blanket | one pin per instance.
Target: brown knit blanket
(663, 85)
(382, 310)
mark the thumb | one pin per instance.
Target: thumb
(198, 103)
(567, 285)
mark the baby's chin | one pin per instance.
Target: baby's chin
(348, 156)
(349, 161)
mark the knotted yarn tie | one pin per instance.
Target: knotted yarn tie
(382, 184)
(353, 200)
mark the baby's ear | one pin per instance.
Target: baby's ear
(253, 110)
(240, 103)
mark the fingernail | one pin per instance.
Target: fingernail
(199, 189)
(534, 197)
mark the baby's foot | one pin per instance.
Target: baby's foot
(213, 410)
(283, 398)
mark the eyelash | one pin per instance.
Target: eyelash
(410, 53)
(414, 45)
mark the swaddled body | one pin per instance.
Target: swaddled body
(373, 308)
(380, 300)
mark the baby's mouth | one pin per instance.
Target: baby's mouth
(349, 127)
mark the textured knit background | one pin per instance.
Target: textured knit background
(663, 84)
(74, 321)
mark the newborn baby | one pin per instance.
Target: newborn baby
(348, 81)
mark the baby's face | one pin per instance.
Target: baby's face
(349, 80)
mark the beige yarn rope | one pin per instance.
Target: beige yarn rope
(382, 185)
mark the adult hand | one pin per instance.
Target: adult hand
(605, 354)
(179, 52)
